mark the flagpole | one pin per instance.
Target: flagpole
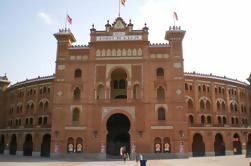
(119, 8)
(66, 20)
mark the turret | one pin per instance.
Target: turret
(4, 83)
(249, 79)
(65, 39)
(175, 36)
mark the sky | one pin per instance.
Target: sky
(217, 40)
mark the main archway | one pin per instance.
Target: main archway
(117, 126)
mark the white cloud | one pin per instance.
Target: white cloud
(46, 18)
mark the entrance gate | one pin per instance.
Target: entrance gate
(219, 145)
(117, 126)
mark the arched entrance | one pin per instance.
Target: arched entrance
(2, 144)
(248, 152)
(117, 126)
(46, 146)
(198, 145)
(13, 145)
(237, 144)
(118, 84)
(28, 145)
(219, 145)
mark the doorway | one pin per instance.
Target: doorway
(117, 126)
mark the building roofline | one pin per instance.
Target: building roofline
(33, 80)
(211, 76)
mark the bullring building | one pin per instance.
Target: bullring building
(122, 90)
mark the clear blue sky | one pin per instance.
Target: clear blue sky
(217, 39)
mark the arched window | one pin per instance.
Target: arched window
(223, 106)
(32, 107)
(78, 73)
(45, 120)
(160, 72)
(231, 107)
(190, 104)
(236, 120)
(101, 92)
(232, 120)
(31, 121)
(202, 119)
(76, 93)
(235, 107)
(70, 145)
(191, 121)
(186, 86)
(167, 145)
(27, 107)
(136, 91)
(40, 120)
(157, 145)
(79, 145)
(75, 115)
(204, 88)
(40, 107)
(219, 120)
(202, 106)
(46, 106)
(224, 120)
(218, 106)
(161, 113)
(208, 105)
(160, 93)
(122, 84)
(209, 121)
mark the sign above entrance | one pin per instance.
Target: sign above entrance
(118, 36)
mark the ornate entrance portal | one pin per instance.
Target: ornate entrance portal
(117, 126)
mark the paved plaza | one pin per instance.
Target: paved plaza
(239, 160)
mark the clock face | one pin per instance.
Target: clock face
(119, 25)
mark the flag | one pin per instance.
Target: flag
(69, 19)
(175, 16)
(122, 2)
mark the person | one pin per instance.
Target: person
(123, 153)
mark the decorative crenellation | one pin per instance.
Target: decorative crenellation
(119, 52)
(79, 57)
(64, 30)
(159, 56)
(158, 45)
(80, 46)
(174, 28)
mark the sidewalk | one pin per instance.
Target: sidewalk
(239, 160)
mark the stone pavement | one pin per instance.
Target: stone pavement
(239, 160)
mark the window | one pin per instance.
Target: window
(46, 106)
(31, 121)
(40, 106)
(79, 145)
(122, 84)
(190, 104)
(202, 119)
(78, 73)
(40, 121)
(70, 145)
(218, 106)
(209, 121)
(191, 121)
(115, 84)
(208, 105)
(160, 72)
(202, 106)
(101, 92)
(186, 86)
(224, 120)
(75, 115)
(219, 120)
(160, 93)
(45, 120)
(161, 114)
(157, 145)
(136, 91)
(76, 93)
(167, 145)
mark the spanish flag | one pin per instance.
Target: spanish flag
(122, 2)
